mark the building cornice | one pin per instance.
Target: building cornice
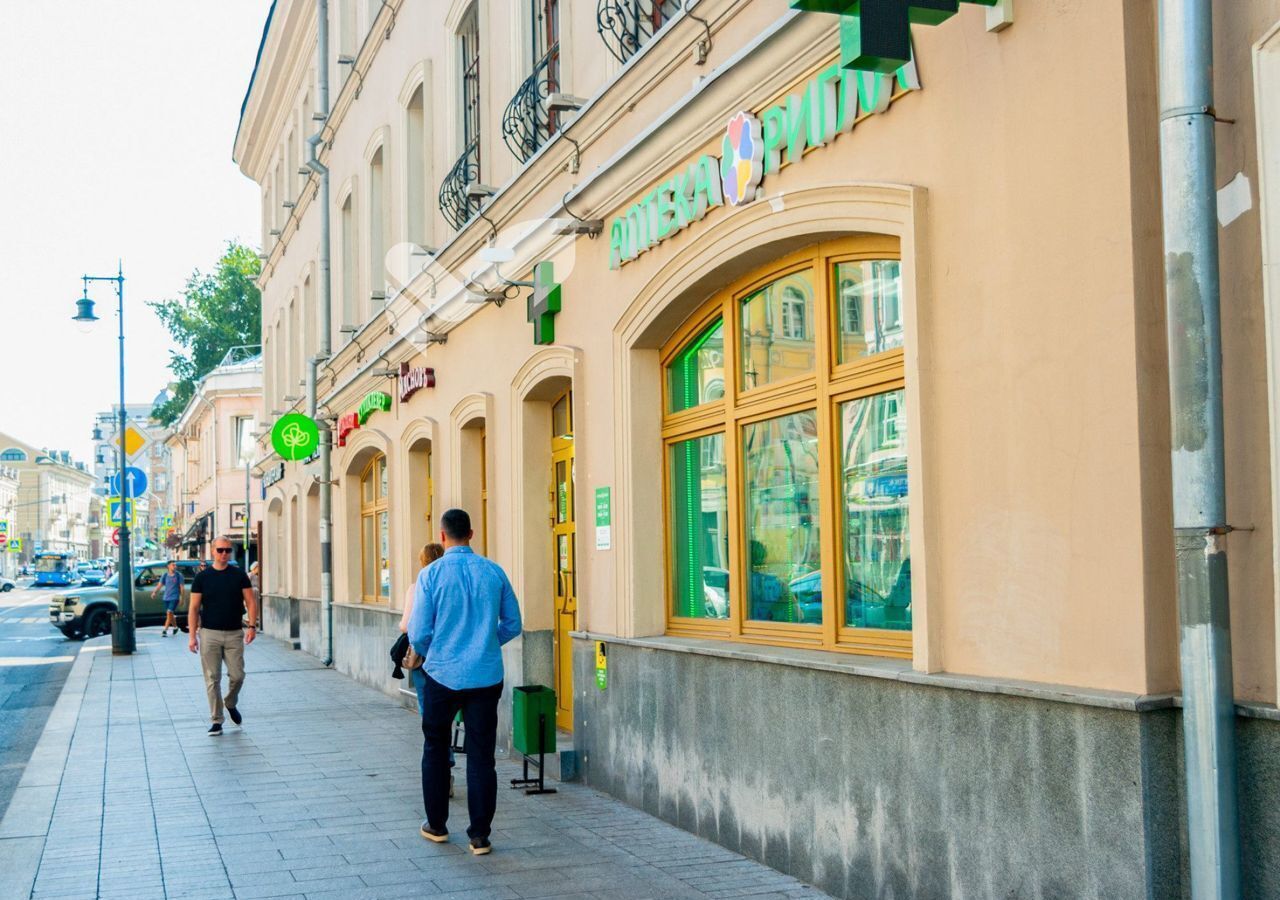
(284, 59)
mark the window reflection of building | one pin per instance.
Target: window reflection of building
(870, 307)
(776, 342)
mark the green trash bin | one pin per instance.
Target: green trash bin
(529, 702)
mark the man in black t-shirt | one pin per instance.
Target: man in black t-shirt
(219, 597)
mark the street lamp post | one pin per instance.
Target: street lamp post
(123, 639)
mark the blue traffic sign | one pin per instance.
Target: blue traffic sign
(137, 482)
(118, 513)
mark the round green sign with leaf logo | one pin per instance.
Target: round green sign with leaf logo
(294, 436)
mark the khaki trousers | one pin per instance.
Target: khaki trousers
(216, 646)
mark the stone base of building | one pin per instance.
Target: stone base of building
(880, 787)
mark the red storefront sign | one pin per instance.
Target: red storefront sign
(347, 424)
(414, 380)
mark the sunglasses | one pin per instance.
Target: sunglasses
(221, 549)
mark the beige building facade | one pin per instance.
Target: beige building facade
(835, 480)
(54, 506)
(206, 479)
(8, 509)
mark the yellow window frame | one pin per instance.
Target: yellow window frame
(372, 509)
(830, 384)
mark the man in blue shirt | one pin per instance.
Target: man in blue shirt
(171, 583)
(463, 612)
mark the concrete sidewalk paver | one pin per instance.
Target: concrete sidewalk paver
(317, 796)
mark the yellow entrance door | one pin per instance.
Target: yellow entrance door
(563, 538)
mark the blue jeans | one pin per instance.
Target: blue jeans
(419, 679)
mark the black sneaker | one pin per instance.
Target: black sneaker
(435, 835)
(234, 714)
(215, 730)
(481, 846)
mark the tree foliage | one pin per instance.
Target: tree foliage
(217, 311)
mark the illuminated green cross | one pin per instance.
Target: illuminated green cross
(875, 35)
(544, 303)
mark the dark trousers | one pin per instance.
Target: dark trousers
(480, 718)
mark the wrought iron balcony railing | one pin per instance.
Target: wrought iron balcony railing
(454, 203)
(627, 25)
(526, 123)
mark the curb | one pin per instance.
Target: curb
(26, 822)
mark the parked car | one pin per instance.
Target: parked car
(86, 612)
(6, 584)
(92, 577)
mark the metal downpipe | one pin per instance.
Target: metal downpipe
(1187, 161)
(326, 340)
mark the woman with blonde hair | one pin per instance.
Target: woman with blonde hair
(426, 556)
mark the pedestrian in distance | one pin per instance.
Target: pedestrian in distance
(220, 595)
(171, 585)
(464, 610)
(255, 579)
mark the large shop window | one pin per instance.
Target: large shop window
(786, 456)
(375, 571)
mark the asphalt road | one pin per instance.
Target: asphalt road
(34, 662)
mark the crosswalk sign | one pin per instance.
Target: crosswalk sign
(114, 518)
(15, 545)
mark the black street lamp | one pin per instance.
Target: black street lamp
(123, 638)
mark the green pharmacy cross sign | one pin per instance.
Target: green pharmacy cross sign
(875, 35)
(544, 303)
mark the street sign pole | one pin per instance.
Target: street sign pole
(123, 638)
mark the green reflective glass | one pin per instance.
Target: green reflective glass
(699, 528)
(777, 331)
(780, 475)
(869, 306)
(696, 375)
(369, 580)
(877, 541)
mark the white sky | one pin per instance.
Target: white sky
(116, 128)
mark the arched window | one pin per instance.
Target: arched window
(13, 454)
(417, 180)
(786, 466)
(377, 232)
(375, 546)
(348, 231)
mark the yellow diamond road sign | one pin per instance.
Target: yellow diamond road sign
(134, 441)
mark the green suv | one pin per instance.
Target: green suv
(86, 612)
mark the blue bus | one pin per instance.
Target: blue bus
(55, 569)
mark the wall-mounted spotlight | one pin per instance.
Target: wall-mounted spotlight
(484, 296)
(378, 297)
(589, 227)
(348, 329)
(274, 232)
(478, 191)
(384, 372)
(290, 398)
(558, 102)
(346, 60)
(288, 204)
(427, 338)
